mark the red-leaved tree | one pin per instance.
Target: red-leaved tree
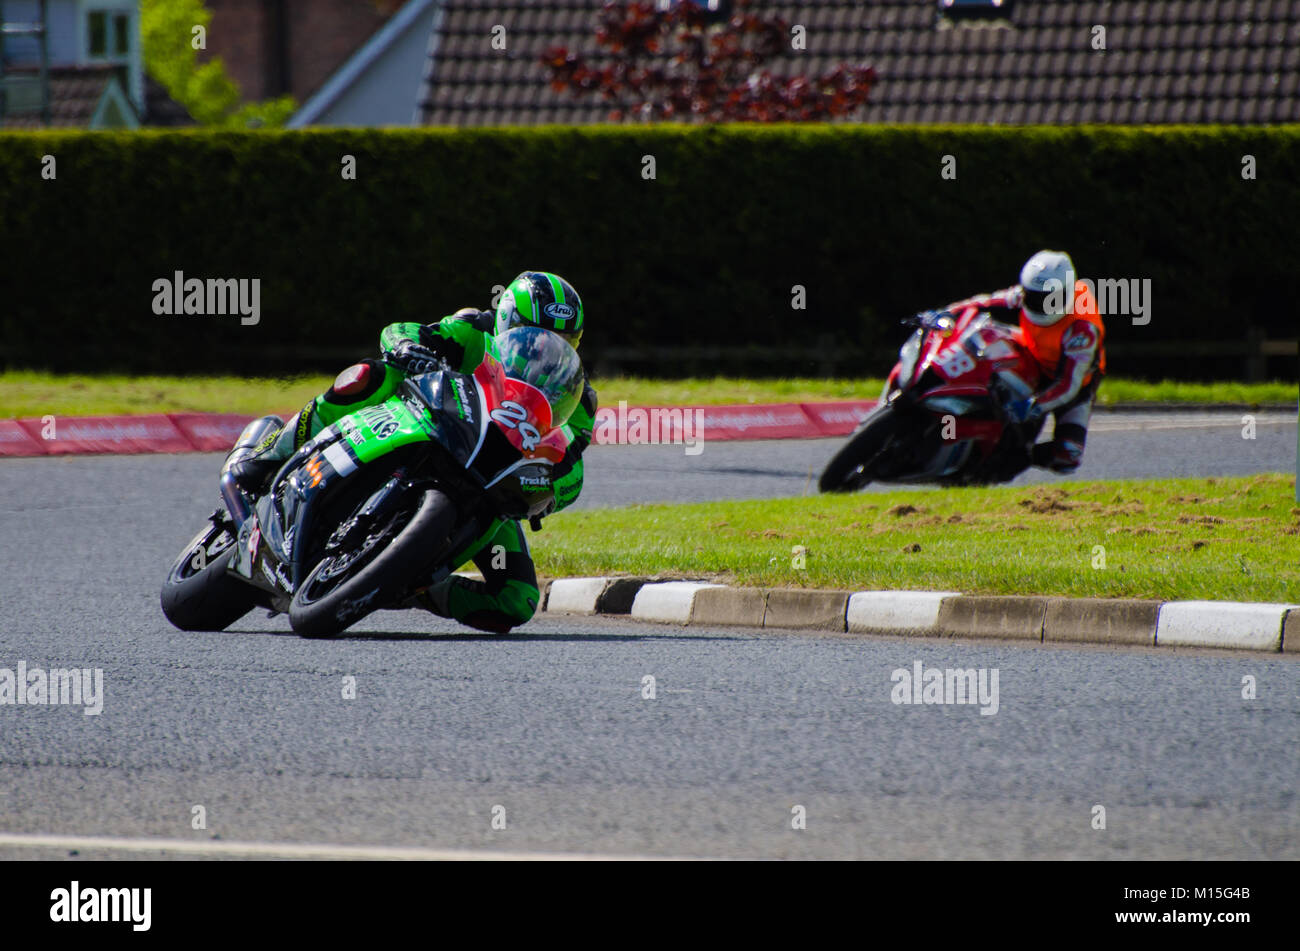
(682, 63)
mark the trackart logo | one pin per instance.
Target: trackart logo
(103, 904)
(194, 296)
(70, 686)
(946, 685)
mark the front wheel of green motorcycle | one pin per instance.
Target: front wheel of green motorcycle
(373, 567)
(199, 593)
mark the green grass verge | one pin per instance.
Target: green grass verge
(1233, 539)
(1170, 391)
(25, 393)
(721, 390)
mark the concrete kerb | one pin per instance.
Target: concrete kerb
(1015, 618)
(806, 609)
(575, 595)
(1222, 624)
(895, 612)
(1103, 621)
(741, 607)
(619, 595)
(669, 601)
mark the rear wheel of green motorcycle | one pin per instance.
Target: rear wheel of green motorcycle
(199, 594)
(853, 466)
(347, 585)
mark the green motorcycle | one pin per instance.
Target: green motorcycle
(371, 510)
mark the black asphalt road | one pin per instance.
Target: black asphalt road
(551, 725)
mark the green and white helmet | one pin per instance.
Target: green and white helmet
(541, 299)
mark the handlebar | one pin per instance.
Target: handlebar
(931, 320)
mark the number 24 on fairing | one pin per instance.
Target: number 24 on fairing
(512, 415)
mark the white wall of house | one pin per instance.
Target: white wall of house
(61, 21)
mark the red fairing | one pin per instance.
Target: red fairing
(966, 373)
(1003, 352)
(520, 410)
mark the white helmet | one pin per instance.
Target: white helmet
(1048, 283)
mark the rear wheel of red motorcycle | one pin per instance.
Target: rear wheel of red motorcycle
(853, 466)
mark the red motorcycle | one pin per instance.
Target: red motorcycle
(941, 417)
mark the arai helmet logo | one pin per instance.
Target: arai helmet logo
(558, 311)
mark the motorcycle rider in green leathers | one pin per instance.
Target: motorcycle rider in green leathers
(508, 594)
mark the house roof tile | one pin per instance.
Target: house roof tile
(75, 92)
(1164, 61)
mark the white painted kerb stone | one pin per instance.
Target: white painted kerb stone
(895, 610)
(669, 601)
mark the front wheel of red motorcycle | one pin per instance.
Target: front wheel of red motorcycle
(854, 465)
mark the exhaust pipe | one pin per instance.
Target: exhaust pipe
(236, 502)
(252, 437)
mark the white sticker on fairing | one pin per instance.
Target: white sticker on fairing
(337, 457)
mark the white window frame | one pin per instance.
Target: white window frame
(132, 59)
(111, 8)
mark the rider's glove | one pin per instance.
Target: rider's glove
(1022, 411)
(484, 320)
(413, 358)
(535, 521)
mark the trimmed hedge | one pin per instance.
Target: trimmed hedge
(705, 255)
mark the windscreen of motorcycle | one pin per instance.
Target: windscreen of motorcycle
(543, 361)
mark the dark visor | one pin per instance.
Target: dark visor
(1034, 300)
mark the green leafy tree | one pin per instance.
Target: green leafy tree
(211, 96)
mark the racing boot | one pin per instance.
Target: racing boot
(261, 449)
(434, 598)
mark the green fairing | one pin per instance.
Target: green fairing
(324, 413)
(474, 343)
(363, 427)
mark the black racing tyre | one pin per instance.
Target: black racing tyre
(851, 468)
(199, 594)
(341, 589)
